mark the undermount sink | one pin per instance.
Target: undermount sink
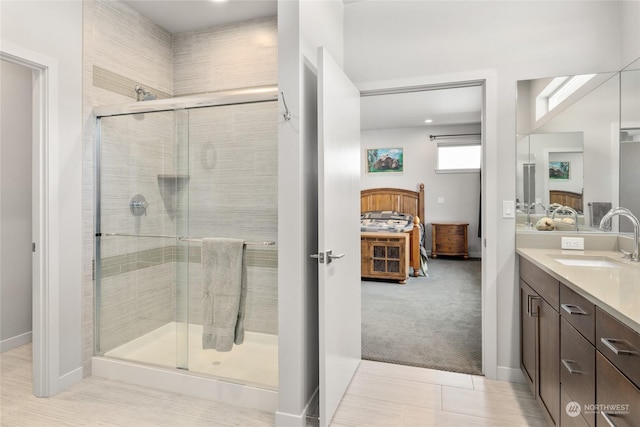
(586, 261)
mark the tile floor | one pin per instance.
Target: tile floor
(379, 395)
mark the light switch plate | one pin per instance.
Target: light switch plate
(575, 243)
(508, 209)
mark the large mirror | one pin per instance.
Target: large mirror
(578, 148)
(630, 141)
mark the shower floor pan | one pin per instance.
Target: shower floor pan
(253, 363)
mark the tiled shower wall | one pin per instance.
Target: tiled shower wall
(122, 49)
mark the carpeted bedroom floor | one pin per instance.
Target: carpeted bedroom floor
(431, 322)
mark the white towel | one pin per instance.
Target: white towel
(224, 290)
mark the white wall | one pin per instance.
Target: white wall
(630, 31)
(15, 205)
(53, 29)
(386, 40)
(460, 191)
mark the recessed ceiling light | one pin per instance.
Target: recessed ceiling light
(428, 121)
(219, 1)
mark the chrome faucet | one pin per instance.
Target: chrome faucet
(636, 227)
(532, 207)
(565, 209)
(552, 207)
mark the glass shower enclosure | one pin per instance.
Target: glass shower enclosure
(168, 174)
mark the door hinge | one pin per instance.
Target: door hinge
(33, 246)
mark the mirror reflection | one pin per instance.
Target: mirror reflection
(568, 152)
(630, 141)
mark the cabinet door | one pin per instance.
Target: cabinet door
(618, 398)
(549, 354)
(577, 369)
(528, 335)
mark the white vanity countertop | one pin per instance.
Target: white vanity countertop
(615, 290)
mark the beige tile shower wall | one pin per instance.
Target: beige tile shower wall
(134, 303)
(233, 171)
(135, 150)
(233, 193)
(226, 57)
(123, 46)
(131, 45)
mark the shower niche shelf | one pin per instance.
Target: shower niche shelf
(173, 177)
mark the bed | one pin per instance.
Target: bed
(394, 208)
(567, 198)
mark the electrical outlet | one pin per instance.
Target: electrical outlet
(575, 243)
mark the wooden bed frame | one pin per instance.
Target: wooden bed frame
(406, 201)
(567, 198)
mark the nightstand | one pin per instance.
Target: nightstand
(449, 239)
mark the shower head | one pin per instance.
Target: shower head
(143, 95)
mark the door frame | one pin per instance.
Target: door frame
(45, 221)
(487, 79)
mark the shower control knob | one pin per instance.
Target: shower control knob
(138, 205)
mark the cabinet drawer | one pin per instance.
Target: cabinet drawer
(450, 230)
(620, 344)
(457, 240)
(577, 367)
(575, 419)
(544, 284)
(579, 312)
(618, 399)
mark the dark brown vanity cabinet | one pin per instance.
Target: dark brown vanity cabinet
(540, 336)
(617, 372)
(577, 357)
(582, 363)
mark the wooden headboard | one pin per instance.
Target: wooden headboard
(567, 198)
(393, 199)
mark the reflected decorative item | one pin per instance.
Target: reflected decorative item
(559, 170)
(385, 160)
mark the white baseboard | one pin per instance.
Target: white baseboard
(290, 420)
(513, 375)
(69, 379)
(284, 419)
(15, 342)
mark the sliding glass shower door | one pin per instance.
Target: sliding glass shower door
(141, 269)
(165, 181)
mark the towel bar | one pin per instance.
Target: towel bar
(181, 238)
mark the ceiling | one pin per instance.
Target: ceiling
(177, 16)
(450, 106)
(444, 106)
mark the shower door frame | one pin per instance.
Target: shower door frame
(215, 99)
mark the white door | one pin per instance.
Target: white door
(338, 232)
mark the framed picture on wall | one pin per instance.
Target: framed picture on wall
(384, 160)
(560, 170)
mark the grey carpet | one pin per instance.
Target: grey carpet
(431, 322)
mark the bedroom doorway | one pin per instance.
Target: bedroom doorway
(398, 320)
